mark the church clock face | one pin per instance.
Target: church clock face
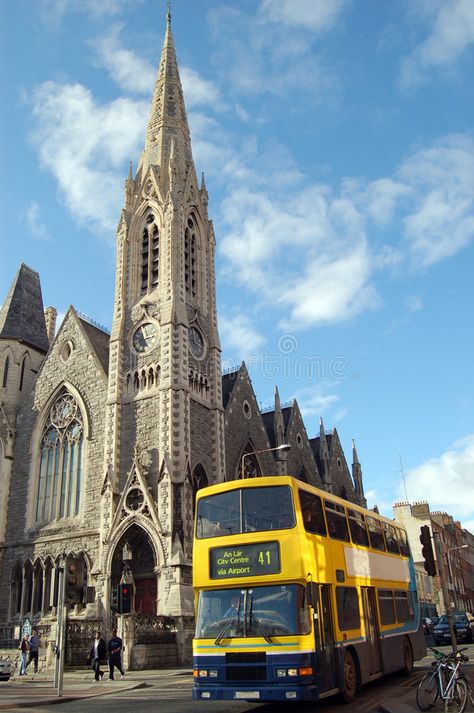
(145, 337)
(196, 342)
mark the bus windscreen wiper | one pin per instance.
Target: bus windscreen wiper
(258, 626)
(228, 626)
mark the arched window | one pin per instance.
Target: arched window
(28, 587)
(303, 475)
(61, 461)
(198, 480)
(37, 588)
(5, 372)
(22, 372)
(251, 466)
(190, 257)
(16, 590)
(150, 255)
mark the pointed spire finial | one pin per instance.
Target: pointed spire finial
(168, 15)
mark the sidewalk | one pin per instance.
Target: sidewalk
(38, 689)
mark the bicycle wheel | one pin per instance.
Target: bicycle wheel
(457, 700)
(427, 692)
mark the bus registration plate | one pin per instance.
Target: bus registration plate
(245, 561)
(247, 694)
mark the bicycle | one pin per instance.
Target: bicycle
(447, 681)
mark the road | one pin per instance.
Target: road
(172, 694)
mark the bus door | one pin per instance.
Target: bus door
(326, 644)
(372, 630)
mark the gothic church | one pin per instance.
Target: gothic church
(105, 438)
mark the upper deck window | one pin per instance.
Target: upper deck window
(375, 533)
(358, 528)
(390, 538)
(336, 519)
(245, 510)
(403, 542)
(312, 509)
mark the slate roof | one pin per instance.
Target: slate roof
(228, 383)
(99, 341)
(22, 314)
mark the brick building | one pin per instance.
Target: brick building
(458, 557)
(105, 438)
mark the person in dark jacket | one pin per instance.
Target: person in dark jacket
(115, 655)
(97, 655)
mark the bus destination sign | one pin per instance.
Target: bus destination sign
(245, 560)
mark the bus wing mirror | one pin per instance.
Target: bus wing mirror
(312, 594)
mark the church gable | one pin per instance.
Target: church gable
(244, 427)
(300, 459)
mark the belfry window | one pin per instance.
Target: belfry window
(61, 461)
(150, 255)
(5, 372)
(190, 257)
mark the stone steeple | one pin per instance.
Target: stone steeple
(167, 137)
(357, 476)
(22, 315)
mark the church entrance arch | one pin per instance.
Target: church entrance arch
(134, 551)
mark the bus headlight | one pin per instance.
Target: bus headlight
(204, 673)
(304, 671)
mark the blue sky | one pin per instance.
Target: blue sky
(338, 147)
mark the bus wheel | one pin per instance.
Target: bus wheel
(349, 677)
(407, 669)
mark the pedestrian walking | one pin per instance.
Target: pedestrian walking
(24, 648)
(34, 650)
(115, 655)
(97, 655)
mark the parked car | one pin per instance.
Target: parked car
(427, 625)
(462, 629)
(5, 670)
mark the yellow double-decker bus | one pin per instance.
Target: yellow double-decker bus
(299, 594)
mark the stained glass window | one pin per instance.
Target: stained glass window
(61, 461)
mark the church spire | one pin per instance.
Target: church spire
(168, 118)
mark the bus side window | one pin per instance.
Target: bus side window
(390, 538)
(347, 608)
(401, 606)
(312, 509)
(386, 607)
(375, 533)
(336, 519)
(357, 527)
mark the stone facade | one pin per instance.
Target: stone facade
(105, 439)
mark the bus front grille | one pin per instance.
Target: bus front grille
(246, 673)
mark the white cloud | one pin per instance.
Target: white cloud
(131, 72)
(239, 336)
(85, 146)
(315, 401)
(35, 225)
(446, 481)
(451, 33)
(308, 253)
(441, 220)
(272, 55)
(197, 90)
(53, 11)
(315, 15)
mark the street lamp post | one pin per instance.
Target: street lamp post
(284, 447)
(448, 556)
